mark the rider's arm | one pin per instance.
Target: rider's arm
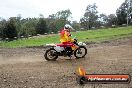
(68, 37)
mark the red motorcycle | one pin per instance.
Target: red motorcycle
(56, 50)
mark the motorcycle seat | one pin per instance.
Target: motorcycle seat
(65, 45)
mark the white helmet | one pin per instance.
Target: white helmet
(67, 26)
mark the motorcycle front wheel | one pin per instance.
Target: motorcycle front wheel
(51, 54)
(80, 52)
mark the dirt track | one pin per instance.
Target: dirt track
(26, 67)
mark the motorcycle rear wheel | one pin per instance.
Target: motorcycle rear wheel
(51, 54)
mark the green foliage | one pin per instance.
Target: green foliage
(103, 19)
(75, 25)
(41, 26)
(58, 20)
(112, 20)
(28, 27)
(10, 29)
(123, 11)
(18, 26)
(2, 28)
(64, 14)
(122, 14)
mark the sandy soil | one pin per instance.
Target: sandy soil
(27, 68)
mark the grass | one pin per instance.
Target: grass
(104, 34)
(87, 36)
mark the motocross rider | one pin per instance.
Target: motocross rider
(66, 36)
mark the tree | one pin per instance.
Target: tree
(10, 29)
(58, 20)
(2, 27)
(28, 27)
(123, 12)
(130, 12)
(103, 19)
(64, 14)
(90, 17)
(18, 25)
(75, 25)
(41, 25)
(112, 20)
